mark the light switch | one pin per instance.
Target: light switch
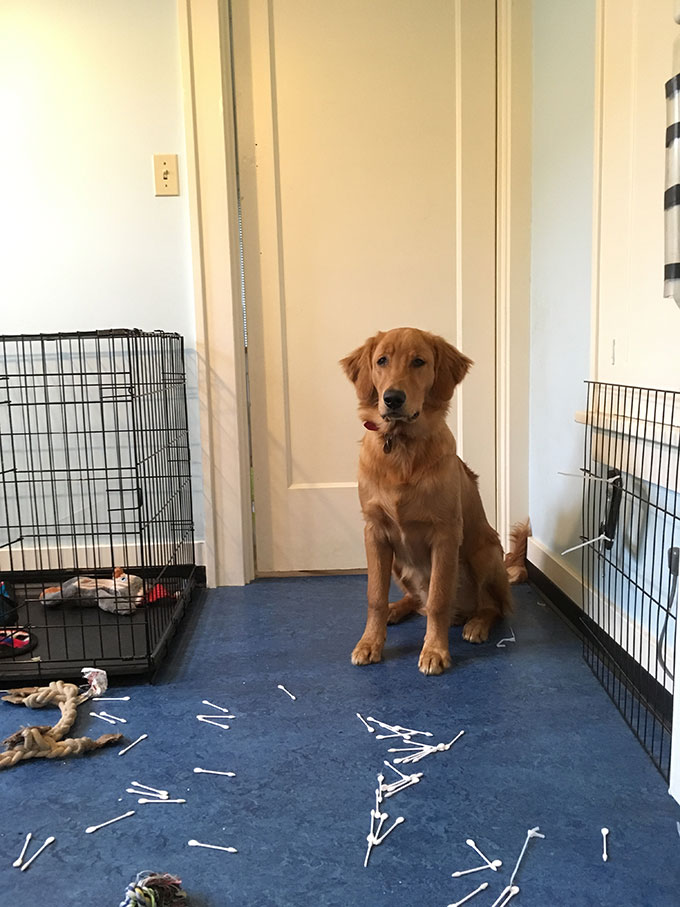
(165, 174)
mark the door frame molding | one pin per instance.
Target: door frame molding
(513, 260)
(205, 52)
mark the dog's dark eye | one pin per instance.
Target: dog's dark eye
(382, 361)
(418, 362)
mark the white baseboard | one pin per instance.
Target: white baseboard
(633, 638)
(200, 550)
(565, 578)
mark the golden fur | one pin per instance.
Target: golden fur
(424, 520)
(515, 558)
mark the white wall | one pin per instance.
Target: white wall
(562, 176)
(89, 90)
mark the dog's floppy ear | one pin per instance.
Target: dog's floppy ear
(451, 366)
(357, 367)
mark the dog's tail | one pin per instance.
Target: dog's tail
(515, 558)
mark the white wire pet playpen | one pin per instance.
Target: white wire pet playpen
(631, 513)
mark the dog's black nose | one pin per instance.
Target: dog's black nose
(394, 399)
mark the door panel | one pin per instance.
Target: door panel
(367, 171)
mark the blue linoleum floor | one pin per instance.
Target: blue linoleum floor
(543, 746)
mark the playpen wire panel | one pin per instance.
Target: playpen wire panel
(630, 503)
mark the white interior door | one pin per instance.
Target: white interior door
(367, 140)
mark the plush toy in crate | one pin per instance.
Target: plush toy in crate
(120, 595)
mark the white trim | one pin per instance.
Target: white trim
(557, 570)
(640, 440)
(513, 258)
(674, 787)
(211, 165)
(201, 553)
(615, 621)
(458, 402)
(314, 486)
(598, 114)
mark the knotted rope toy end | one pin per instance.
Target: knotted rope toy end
(152, 889)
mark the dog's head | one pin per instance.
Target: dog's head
(405, 372)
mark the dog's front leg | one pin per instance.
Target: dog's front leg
(379, 559)
(435, 656)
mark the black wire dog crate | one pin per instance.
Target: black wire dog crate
(631, 514)
(97, 557)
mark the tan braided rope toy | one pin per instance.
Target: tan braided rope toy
(44, 741)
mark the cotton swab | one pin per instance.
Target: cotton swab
(280, 686)
(401, 774)
(92, 828)
(378, 840)
(113, 718)
(193, 843)
(391, 789)
(48, 841)
(158, 800)
(512, 891)
(103, 718)
(600, 538)
(578, 475)
(134, 743)
(209, 719)
(371, 836)
(467, 897)
(424, 750)
(501, 642)
(218, 707)
(210, 771)
(154, 790)
(471, 843)
(371, 730)
(110, 699)
(495, 865)
(605, 855)
(501, 897)
(531, 833)
(376, 814)
(20, 859)
(136, 791)
(397, 728)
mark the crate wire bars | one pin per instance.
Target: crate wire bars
(94, 478)
(630, 572)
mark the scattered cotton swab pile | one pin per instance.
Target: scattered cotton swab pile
(415, 750)
(374, 837)
(216, 720)
(150, 794)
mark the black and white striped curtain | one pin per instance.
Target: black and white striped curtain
(671, 286)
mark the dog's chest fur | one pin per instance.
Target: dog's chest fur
(404, 503)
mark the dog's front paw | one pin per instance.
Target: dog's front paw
(402, 609)
(433, 660)
(477, 629)
(367, 651)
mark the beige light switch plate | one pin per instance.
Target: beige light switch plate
(166, 181)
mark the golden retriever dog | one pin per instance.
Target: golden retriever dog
(424, 519)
